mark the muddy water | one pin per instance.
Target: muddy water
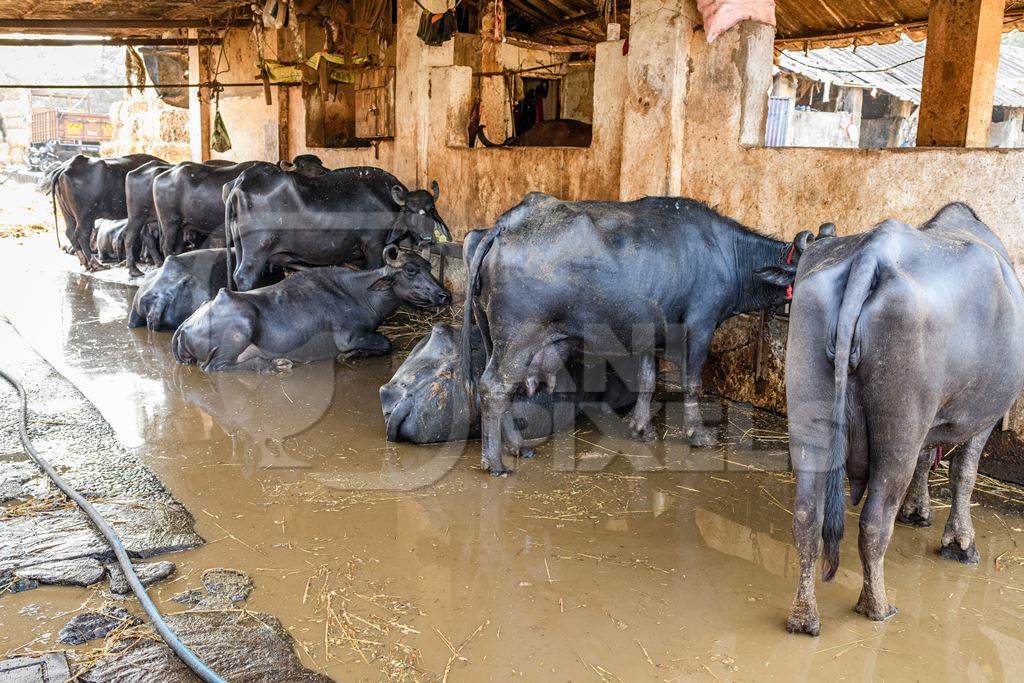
(388, 559)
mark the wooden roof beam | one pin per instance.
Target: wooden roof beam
(102, 25)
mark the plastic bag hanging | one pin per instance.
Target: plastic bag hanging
(220, 141)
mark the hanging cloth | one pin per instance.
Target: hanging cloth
(436, 29)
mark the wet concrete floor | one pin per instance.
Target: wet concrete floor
(405, 561)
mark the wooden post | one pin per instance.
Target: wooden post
(199, 101)
(283, 113)
(959, 72)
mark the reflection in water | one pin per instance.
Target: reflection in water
(663, 563)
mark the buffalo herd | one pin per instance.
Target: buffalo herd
(901, 339)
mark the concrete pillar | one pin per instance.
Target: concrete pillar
(652, 140)
(413, 61)
(959, 72)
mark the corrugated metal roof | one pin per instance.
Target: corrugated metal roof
(897, 69)
(806, 24)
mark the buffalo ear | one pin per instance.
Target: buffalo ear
(436, 189)
(776, 275)
(382, 284)
(398, 194)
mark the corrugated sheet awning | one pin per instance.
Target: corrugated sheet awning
(896, 69)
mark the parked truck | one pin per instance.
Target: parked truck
(59, 134)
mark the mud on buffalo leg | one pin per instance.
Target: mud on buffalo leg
(958, 537)
(916, 509)
(890, 476)
(640, 426)
(808, 515)
(698, 341)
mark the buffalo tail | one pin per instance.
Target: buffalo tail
(469, 319)
(858, 287)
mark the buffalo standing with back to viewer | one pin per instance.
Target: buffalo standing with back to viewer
(289, 220)
(653, 277)
(899, 339)
(87, 189)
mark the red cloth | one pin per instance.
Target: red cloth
(722, 15)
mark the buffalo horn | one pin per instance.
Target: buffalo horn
(802, 240)
(398, 195)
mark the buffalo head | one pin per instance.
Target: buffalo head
(418, 218)
(783, 274)
(407, 276)
(308, 165)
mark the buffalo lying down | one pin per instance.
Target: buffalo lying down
(648, 278)
(173, 292)
(421, 404)
(110, 239)
(292, 220)
(312, 315)
(899, 339)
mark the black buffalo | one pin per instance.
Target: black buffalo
(291, 220)
(648, 278)
(110, 239)
(553, 133)
(421, 402)
(312, 315)
(174, 291)
(142, 232)
(87, 189)
(189, 196)
(899, 339)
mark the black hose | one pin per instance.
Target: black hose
(186, 655)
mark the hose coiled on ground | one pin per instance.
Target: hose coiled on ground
(180, 649)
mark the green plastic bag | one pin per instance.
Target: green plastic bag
(220, 141)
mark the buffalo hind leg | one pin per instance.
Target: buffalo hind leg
(808, 514)
(916, 509)
(698, 341)
(958, 537)
(887, 483)
(86, 227)
(506, 369)
(640, 426)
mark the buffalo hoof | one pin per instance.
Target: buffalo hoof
(135, 272)
(282, 364)
(914, 518)
(527, 452)
(804, 623)
(643, 433)
(702, 438)
(953, 551)
(497, 469)
(876, 614)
